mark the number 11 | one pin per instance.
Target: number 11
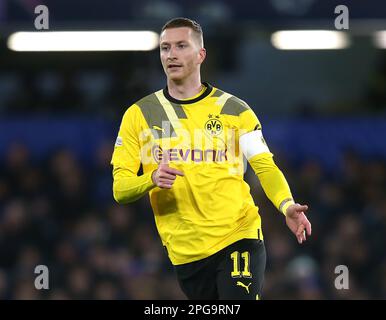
(246, 273)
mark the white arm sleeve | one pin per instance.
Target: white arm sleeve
(253, 143)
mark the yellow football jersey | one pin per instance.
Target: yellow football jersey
(210, 207)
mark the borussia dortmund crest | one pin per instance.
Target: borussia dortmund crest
(214, 126)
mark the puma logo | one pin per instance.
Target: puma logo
(158, 128)
(239, 283)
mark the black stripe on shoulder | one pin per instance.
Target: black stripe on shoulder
(155, 116)
(178, 109)
(217, 93)
(234, 106)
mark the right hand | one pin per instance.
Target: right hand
(165, 176)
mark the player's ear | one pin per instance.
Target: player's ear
(201, 55)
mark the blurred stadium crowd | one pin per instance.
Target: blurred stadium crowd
(99, 91)
(59, 212)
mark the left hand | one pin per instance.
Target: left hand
(297, 221)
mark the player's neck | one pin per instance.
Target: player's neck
(184, 89)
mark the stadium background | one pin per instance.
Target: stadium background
(323, 115)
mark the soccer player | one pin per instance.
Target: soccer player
(190, 138)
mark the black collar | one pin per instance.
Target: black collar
(208, 90)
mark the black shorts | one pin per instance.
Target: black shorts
(235, 272)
